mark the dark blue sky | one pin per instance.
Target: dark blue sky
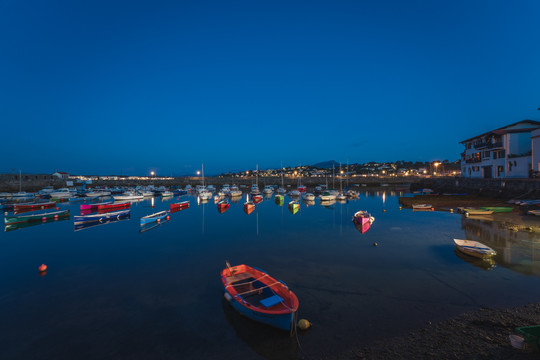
(107, 87)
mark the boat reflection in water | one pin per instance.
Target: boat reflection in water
(516, 250)
(328, 204)
(268, 342)
(88, 224)
(17, 226)
(152, 225)
(362, 228)
(484, 264)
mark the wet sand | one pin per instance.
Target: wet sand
(481, 334)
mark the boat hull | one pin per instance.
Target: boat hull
(35, 217)
(249, 281)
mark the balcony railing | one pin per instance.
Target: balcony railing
(472, 161)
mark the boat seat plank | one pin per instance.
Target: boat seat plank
(238, 277)
(271, 301)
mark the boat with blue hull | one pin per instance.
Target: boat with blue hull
(116, 215)
(157, 217)
(260, 297)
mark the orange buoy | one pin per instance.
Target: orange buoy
(43, 267)
(57, 208)
(158, 221)
(168, 217)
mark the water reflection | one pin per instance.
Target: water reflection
(11, 227)
(516, 250)
(484, 264)
(98, 222)
(266, 341)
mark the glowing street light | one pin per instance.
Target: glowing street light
(152, 173)
(436, 164)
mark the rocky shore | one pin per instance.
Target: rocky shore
(478, 335)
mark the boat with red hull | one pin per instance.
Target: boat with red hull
(103, 208)
(260, 297)
(223, 205)
(257, 198)
(19, 208)
(93, 207)
(179, 206)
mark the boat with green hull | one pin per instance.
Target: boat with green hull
(42, 216)
(498, 209)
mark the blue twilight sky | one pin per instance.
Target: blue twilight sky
(101, 87)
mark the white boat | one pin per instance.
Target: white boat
(235, 193)
(474, 248)
(63, 193)
(422, 207)
(268, 190)
(327, 196)
(167, 194)
(534, 212)
(129, 195)
(97, 193)
(309, 197)
(294, 193)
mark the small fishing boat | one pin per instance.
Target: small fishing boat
(167, 194)
(327, 196)
(474, 248)
(157, 217)
(302, 188)
(309, 196)
(43, 216)
(249, 207)
(268, 190)
(257, 198)
(294, 193)
(422, 207)
(235, 193)
(474, 211)
(223, 205)
(179, 206)
(534, 212)
(112, 207)
(362, 217)
(33, 206)
(93, 207)
(128, 196)
(116, 215)
(294, 206)
(260, 297)
(498, 209)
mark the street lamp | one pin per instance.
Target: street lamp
(436, 164)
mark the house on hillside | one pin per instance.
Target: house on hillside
(501, 153)
(61, 175)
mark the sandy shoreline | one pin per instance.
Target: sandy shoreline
(480, 334)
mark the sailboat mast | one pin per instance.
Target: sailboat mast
(333, 178)
(202, 171)
(20, 180)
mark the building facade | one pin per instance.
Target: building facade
(502, 153)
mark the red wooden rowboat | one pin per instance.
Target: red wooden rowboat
(18, 208)
(103, 208)
(257, 295)
(179, 206)
(223, 205)
(93, 207)
(249, 207)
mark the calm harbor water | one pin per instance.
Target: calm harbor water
(112, 292)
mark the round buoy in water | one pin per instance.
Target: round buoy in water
(43, 267)
(375, 244)
(384, 210)
(303, 324)
(158, 221)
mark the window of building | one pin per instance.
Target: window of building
(486, 154)
(500, 170)
(476, 168)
